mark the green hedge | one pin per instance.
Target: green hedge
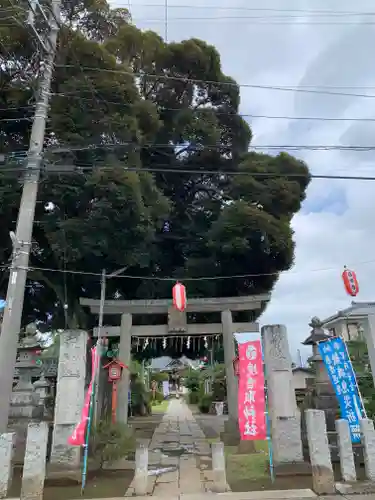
(194, 397)
(205, 403)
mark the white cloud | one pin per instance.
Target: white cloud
(301, 54)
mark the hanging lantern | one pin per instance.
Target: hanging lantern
(179, 297)
(350, 282)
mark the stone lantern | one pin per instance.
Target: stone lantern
(317, 334)
(28, 367)
(321, 395)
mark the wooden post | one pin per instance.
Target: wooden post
(114, 401)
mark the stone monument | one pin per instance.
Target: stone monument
(284, 415)
(69, 399)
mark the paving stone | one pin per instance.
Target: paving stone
(168, 477)
(165, 490)
(179, 430)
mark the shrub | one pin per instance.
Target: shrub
(140, 397)
(192, 381)
(110, 442)
(159, 377)
(193, 397)
(205, 403)
(159, 396)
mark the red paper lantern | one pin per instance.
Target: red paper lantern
(179, 297)
(350, 282)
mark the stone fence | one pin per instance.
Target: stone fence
(34, 470)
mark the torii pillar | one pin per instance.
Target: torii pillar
(125, 357)
(231, 436)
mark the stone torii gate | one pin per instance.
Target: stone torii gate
(178, 325)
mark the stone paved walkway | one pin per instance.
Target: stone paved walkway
(178, 442)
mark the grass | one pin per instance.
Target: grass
(252, 466)
(160, 406)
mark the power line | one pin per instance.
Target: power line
(215, 110)
(260, 21)
(189, 147)
(186, 279)
(199, 147)
(82, 169)
(250, 174)
(314, 89)
(219, 84)
(252, 9)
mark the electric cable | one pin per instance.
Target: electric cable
(187, 279)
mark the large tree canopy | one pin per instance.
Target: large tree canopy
(124, 99)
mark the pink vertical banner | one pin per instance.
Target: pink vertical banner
(78, 436)
(251, 396)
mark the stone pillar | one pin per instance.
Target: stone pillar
(70, 394)
(141, 469)
(124, 357)
(369, 334)
(231, 434)
(368, 442)
(34, 468)
(344, 441)
(219, 476)
(6, 467)
(320, 456)
(284, 415)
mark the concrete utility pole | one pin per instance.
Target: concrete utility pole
(22, 239)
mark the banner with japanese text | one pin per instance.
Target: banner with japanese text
(340, 370)
(78, 436)
(251, 396)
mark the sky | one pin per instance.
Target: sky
(301, 48)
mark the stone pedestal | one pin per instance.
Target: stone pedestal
(124, 356)
(219, 477)
(69, 397)
(369, 334)
(368, 442)
(141, 469)
(23, 409)
(284, 416)
(344, 441)
(320, 457)
(231, 435)
(34, 469)
(6, 467)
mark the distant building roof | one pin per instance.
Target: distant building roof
(167, 363)
(356, 309)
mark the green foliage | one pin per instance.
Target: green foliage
(193, 397)
(159, 397)
(141, 398)
(110, 442)
(193, 380)
(103, 121)
(135, 368)
(159, 377)
(219, 386)
(359, 356)
(205, 402)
